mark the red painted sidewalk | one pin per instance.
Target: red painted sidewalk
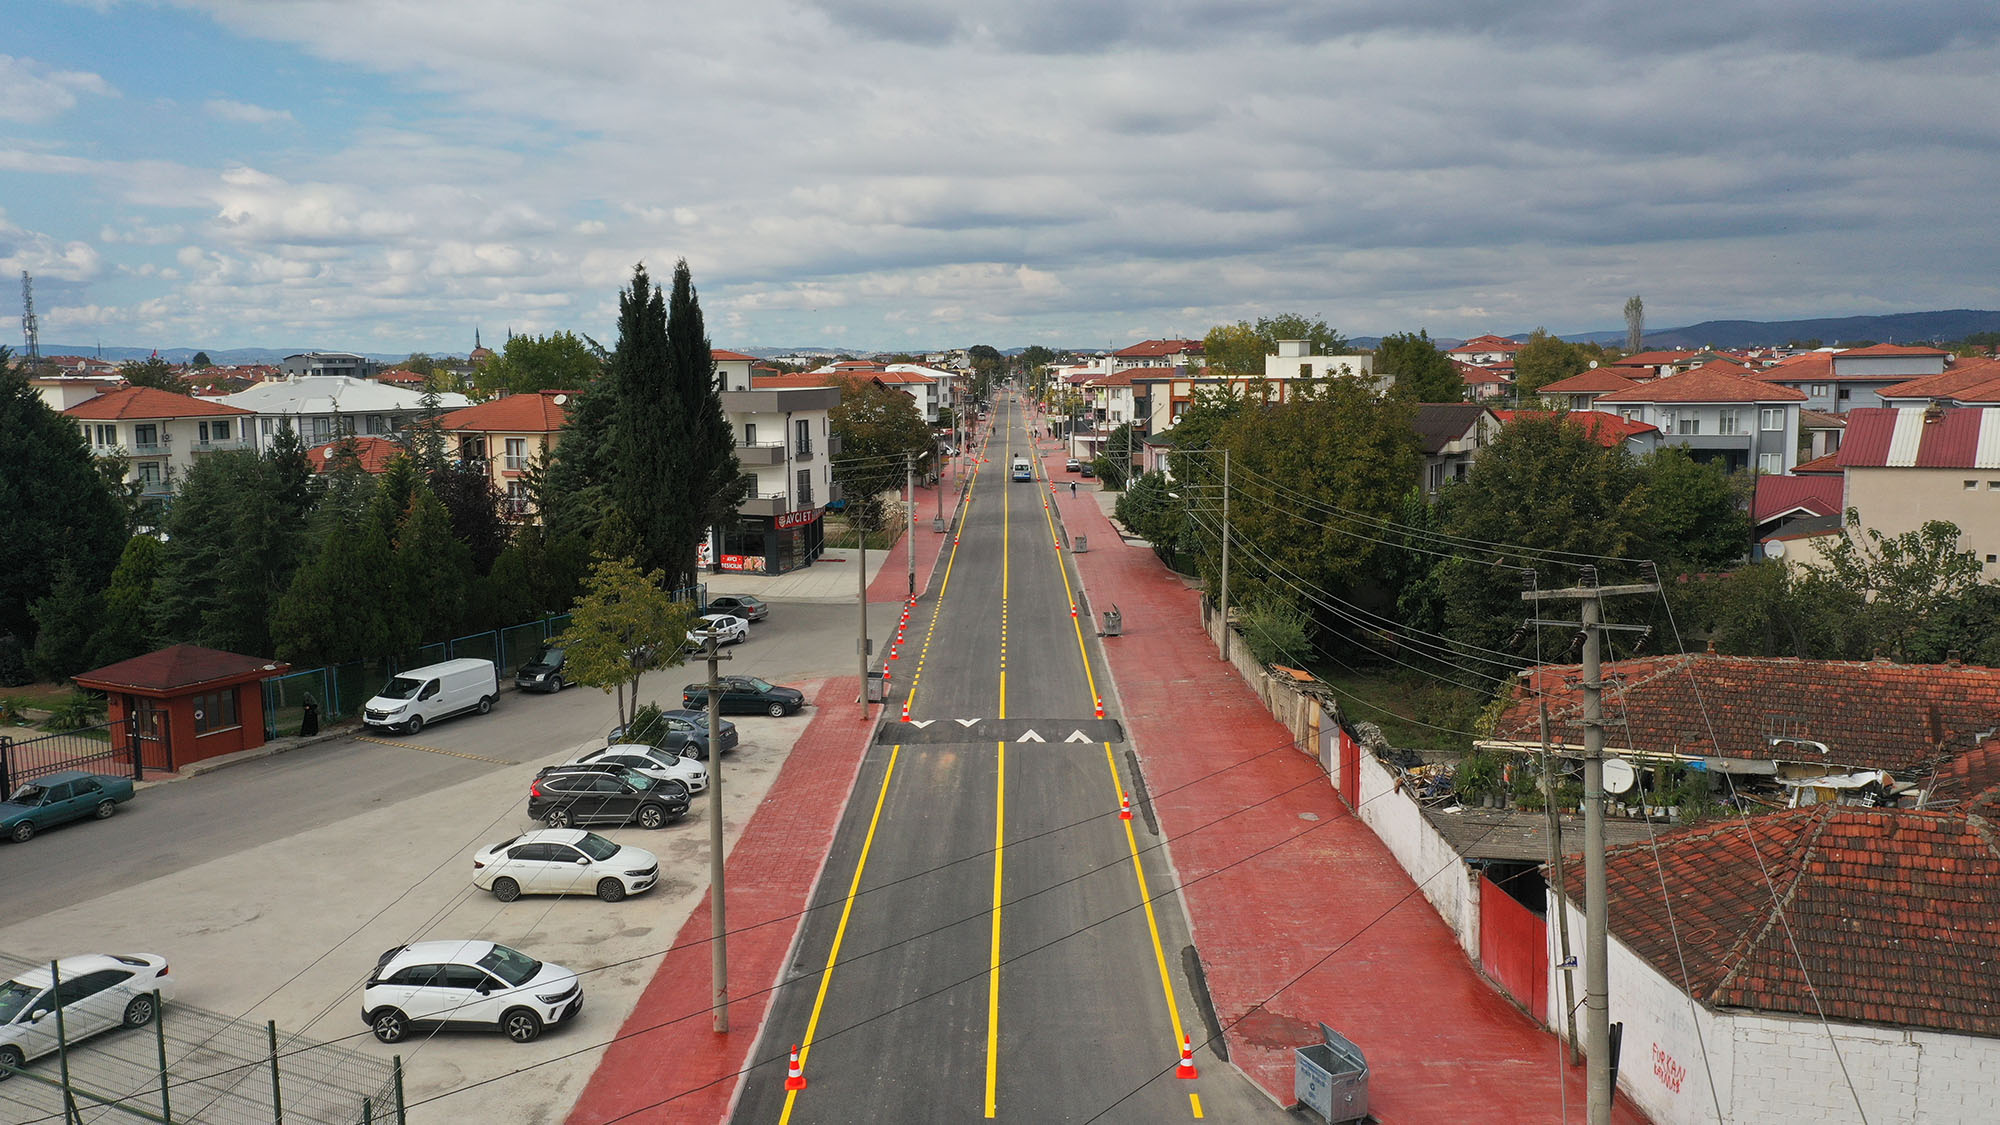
(1324, 926)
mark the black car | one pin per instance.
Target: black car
(562, 798)
(683, 732)
(746, 695)
(740, 605)
(543, 673)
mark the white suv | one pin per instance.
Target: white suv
(467, 984)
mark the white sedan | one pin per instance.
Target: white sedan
(654, 762)
(729, 630)
(99, 992)
(563, 861)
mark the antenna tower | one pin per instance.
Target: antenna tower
(34, 360)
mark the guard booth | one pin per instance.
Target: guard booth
(186, 702)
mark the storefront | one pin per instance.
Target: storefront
(767, 544)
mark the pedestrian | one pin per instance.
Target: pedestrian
(309, 721)
(1072, 488)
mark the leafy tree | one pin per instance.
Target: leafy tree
(1114, 465)
(1199, 432)
(65, 618)
(1423, 373)
(1695, 512)
(1154, 513)
(473, 507)
(527, 364)
(422, 363)
(230, 552)
(201, 362)
(123, 633)
(711, 479)
(1906, 580)
(573, 490)
(1544, 359)
(53, 503)
(153, 372)
(1635, 324)
(1035, 355)
(433, 569)
(1320, 339)
(877, 426)
(623, 625)
(1965, 625)
(1767, 608)
(1235, 349)
(298, 486)
(335, 609)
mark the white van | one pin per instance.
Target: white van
(433, 692)
(1021, 470)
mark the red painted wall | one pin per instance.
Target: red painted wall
(1513, 948)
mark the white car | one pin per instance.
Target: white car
(732, 630)
(466, 984)
(563, 861)
(661, 765)
(98, 992)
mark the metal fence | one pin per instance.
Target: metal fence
(188, 1065)
(108, 748)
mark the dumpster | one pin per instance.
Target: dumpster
(878, 687)
(1331, 1078)
(1082, 544)
(1114, 622)
(937, 523)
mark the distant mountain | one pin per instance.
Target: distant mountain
(1944, 326)
(225, 357)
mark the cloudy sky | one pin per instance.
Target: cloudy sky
(382, 175)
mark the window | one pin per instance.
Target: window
(146, 436)
(215, 711)
(1771, 418)
(149, 472)
(1972, 486)
(105, 435)
(1770, 463)
(1732, 421)
(804, 436)
(219, 430)
(1842, 396)
(322, 430)
(1821, 390)
(535, 853)
(376, 424)
(749, 433)
(267, 426)
(1305, 370)
(1688, 426)
(805, 496)
(462, 977)
(517, 454)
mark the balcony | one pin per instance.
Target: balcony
(226, 445)
(763, 453)
(138, 449)
(765, 504)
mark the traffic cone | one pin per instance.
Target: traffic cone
(1100, 708)
(1185, 1070)
(795, 1078)
(1124, 806)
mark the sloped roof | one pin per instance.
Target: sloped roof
(1595, 379)
(1893, 349)
(734, 357)
(179, 666)
(324, 394)
(1820, 420)
(1910, 437)
(1440, 423)
(1653, 359)
(1486, 344)
(148, 402)
(795, 381)
(1967, 375)
(1812, 366)
(374, 453)
(1819, 493)
(1607, 430)
(1869, 714)
(1827, 464)
(539, 413)
(1715, 382)
(1972, 778)
(400, 377)
(1877, 916)
(1146, 348)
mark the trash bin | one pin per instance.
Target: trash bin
(937, 524)
(878, 687)
(1114, 622)
(1331, 1078)
(1082, 545)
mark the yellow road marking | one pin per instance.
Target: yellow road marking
(999, 805)
(1194, 1101)
(840, 931)
(433, 750)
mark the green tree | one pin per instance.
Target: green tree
(528, 364)
(1319, 338)
(710, 477)
(1035, 355)
(877, 427)
(1199, 432)
(230, 552)
(1423, 373)
(1695, 511)
(298, 485)
(65, 618)
(54, 504)
(623, 625)
(1113, 465)
(1906, 580)
(420, 362)
(1635, 324)
(425, 439)
(473, 505)
(201, 362)
(649, 478)
(1767, 608)
(336, 608)
(1235, 349)
(433, 569)
(1153, 513)
(123, 632)
(1544, 359)
(572, 491)
(153, 372)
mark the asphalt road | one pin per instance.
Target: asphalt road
(998, 959)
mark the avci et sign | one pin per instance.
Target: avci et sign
(795, 519)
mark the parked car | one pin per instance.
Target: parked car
(675, 773)
(1071, 464)
(433, 692)
(746, 695)
(58, 798)
(563, 861)
(543, 673)
(565, 796)
(741, 605)
(467, 984)
(97, 993)
(732, 630)
(686, 733)
(1087, 468)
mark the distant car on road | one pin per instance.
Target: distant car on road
(732, 630)
(746, 695)
(563, 861)
(59, 798)
(741, 605)
(1087, 468)
(675, 773)
(543, 673)
(564, 796)
(467, 984)
(683, 732)
(98, 992)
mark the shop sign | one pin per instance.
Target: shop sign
(743, 562)
(795, 519)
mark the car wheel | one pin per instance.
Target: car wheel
(390, 1026)
(557, 818)
(521, 1025)
(556, 685)
(486, 705)
(776, 710)
(105, 809)
(415, 724)
(139, 1012)
(652, 816)
(674, 789)
(610, 890)
(505, 889)
(12, 1060)
(23, 832)
(696, 750)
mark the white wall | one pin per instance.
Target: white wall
(1448, 883)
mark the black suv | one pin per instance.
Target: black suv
(565, 796)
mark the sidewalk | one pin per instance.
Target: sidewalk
(1325, 926)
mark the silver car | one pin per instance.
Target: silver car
(97, 993)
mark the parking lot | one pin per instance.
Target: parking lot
(273, 885)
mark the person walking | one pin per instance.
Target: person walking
(1072, 488)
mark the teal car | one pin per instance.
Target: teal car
(59, 798)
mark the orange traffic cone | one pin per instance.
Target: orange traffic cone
(1185, 1070)
(1100, 708)
(795, 1079)
(1124, 806)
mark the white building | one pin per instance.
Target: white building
(784, 441)
(158, 434)
(321, 406)
(1718, 412)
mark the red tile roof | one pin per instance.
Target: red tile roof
(720, 354)
(1154, 348)
(1874, 916)
(1716, 382)
(149, 402)
(1811, 366)
(178, 666)
(373, 452)
(1595, 379)
(1869, 714)
(1945, 437)
(1607, 430)
(790, 382)
(1827, 464)
(1820, 494)
(1966, 375)
(1971, 778)
(1893, 349)
(1652, 359)
(1486, 344)
(398, 377)
(898, 378)
(538, 413)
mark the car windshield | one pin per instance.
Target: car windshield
(757, 684)
(402, 687)
(14, 997)
(510, 965)
(549, 658)
(597, 847)
(29, 794)
(633, 778)
(662, 757)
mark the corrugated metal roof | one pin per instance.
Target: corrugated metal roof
(1880, 437)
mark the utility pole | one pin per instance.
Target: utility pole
(718, 926)
(910, 514)
(1225, 554)
(937, 459)
(861, 601)
(1596, 978)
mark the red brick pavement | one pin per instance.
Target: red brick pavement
(1324, 926)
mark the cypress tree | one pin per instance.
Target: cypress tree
(53, 503)
(650, 482)
(714, 476)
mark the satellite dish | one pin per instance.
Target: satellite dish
(1593, 364)
(1618, 775)
(560, 399)
(1774, 548)
(327, 453)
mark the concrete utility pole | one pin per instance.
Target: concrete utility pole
(1225, 554)
(1596, 981)
(910, 514)
(861, 600)
(718, 926)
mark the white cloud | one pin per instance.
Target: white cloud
(46, 257)
(244, 113)
(32, 91)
